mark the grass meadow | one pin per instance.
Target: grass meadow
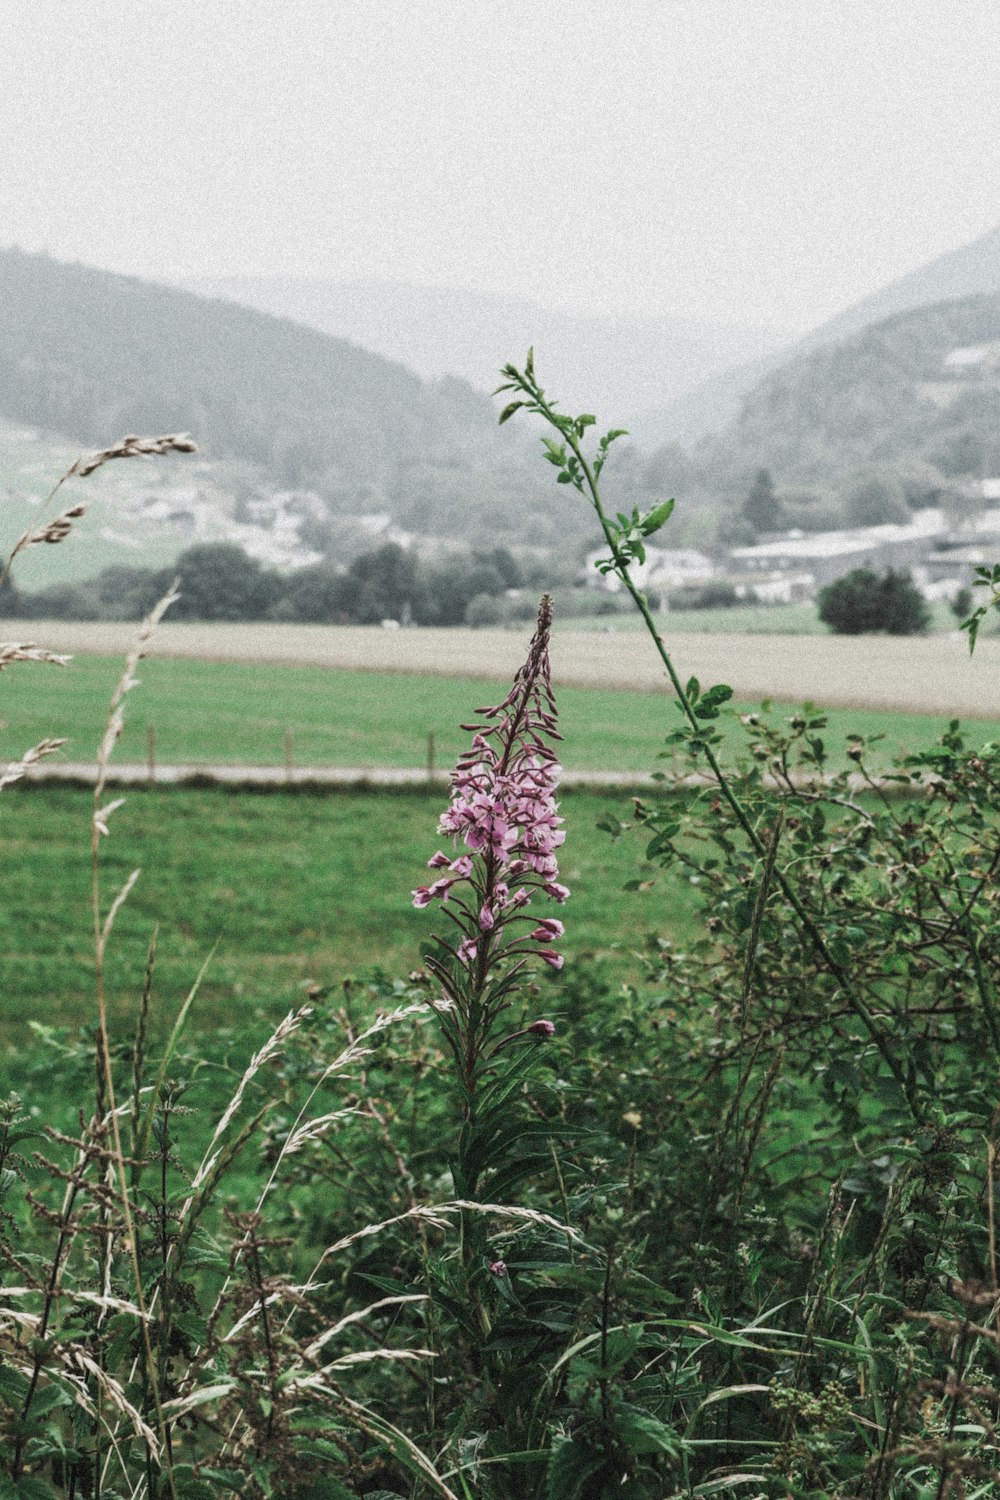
(296, 888)
(711, 1206)
(212, 712)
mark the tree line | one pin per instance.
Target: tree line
(219, 581)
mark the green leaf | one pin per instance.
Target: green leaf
(227, 1479)
(570, 1466)
(190, 1486)
(657, 517)
(26, 1488)
(509, 411)
(645, 1434)
(325, 1487)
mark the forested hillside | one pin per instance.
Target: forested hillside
(91, 355)
(916, 394)
(971, 270)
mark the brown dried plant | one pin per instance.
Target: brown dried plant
(59, 528)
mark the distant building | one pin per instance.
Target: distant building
(774, 588)
(678, 567)
(828, 555)
(973, 359)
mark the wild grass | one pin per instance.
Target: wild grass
(726, 1229)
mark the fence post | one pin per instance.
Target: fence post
(150, 754)
(289, 759)
(430, 754)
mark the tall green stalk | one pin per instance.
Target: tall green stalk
(626, 541)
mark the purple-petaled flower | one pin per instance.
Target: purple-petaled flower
(467, 950)
(498, 1268)
(551, 957)
(503, 818)
(542, 1028)
(547, 929)
(425, 894)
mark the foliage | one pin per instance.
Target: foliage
(863, 402)
(219, 581)
(718, 594)
(826, 1161)
(498, 1230)
(876, 500)
(761, 508)
(986, 578)
(862, 602)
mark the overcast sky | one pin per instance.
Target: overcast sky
(765, 161)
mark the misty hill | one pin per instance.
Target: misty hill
(971, 270)
(614, 366)
(917, 396)
(90, 355)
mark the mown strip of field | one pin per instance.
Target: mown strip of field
(914, 674)
(297, 888)
(240, 713)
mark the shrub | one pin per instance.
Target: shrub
(862, 602)
(717, 594)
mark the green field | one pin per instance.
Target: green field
(296, 887)
(741, 619)
(217, 712)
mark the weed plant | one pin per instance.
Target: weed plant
(492, 1230)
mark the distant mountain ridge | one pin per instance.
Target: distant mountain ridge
(915, 396)
(971, 270)
(612, 365)
(89, 355)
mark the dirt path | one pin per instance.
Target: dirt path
(133, 774)
(921, 674)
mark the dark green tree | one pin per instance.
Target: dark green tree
(218, 581)
(961, 605)
(762, 509)
(387, 582)
(876, 500)
(318, 595)
(862, 602)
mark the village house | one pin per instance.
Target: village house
(825, 556)
(664, 569)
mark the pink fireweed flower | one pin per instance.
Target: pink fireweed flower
(547, 929)
(542, 1028)
(503, 818)
(467, 950)
(425, 894)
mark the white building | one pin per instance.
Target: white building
(826, 555)
(678, 567)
